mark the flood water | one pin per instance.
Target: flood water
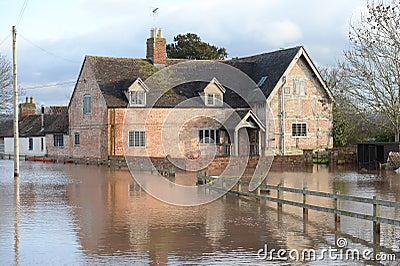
(77, 214)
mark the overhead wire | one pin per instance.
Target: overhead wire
(47, 52)
(19, 19)
(61, 83)
(5, 39)
(50, 85)
(21, 13)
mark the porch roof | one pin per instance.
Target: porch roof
(239, 118)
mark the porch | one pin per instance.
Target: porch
(247, 132)
(245, 148)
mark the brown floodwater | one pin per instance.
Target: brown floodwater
(76, 214)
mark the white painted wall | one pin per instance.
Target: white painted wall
(24, 146)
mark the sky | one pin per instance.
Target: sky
(53, 37)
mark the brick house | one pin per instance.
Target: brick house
(110, 91)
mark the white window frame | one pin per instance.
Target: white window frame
(300, 86)
(300, 130)
(57, 142)
(87, 104)
(134, 99)
(137, 139)
(206, 138)
(217, 99)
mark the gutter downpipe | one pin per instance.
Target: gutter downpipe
(283, 117)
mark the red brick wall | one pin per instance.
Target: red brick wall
(180, 128)
(26, 109)
(54, 152)
(92, 128)
(156, 50)
(219, 164)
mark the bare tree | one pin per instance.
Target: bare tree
(372, 65)
(6, 91)
(347, 127)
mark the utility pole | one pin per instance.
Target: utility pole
(16, 131)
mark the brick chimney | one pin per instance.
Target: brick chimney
(156, 50)
(27, 108)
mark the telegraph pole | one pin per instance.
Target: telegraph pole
(16, 131)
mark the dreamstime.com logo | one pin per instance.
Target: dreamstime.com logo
(188, 114)
(341, 253)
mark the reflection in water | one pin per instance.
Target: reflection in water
(17, 219)
(71, 214)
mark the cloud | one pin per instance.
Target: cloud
(279, 33)
(72, 29)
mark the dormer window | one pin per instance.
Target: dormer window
(136, 93)
(214, 99)
(137, 98)
(214, 93)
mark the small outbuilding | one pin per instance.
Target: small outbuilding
(371, 154)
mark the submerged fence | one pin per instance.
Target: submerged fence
(336, 197)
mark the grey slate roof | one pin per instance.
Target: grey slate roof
(31, 125)
(192, 90)
(115, 75)
(235, 118)
(271, 65)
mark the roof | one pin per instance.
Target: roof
(235, 118)
(271, 65)
(58, 109)
(6, 128)
(31, 125)
(195, 90)
(238, 116)
(115, 75)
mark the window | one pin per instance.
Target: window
(286, 90)
(299, 87)
(209, 136)
(137, 98)
(210, 99)
(87, 104)
(31, 144)
(299, 129)
(77, 139)
(137, 139)
(41, 144)
(214, 99)
(262, 81)
(58, 141)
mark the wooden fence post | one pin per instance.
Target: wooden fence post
(280, 197)
(336, 206)
(376, 212)
(305, 210)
